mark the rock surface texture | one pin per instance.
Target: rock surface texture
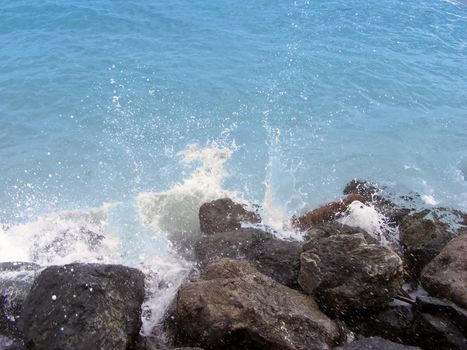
(423, 238)
(16, 279)
(223, 215)
(233, 306)
(446, 275)
(273, 257)
(375, 343)
(346, 273)
(83, 306)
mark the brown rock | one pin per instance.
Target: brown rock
(326, 213)
(347, 273)
(233, 306)
(274, 257)
(446, 275)
(223, 215)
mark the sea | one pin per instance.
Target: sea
(118, 119)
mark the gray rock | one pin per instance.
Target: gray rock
(346, 273)
(446, 275)
(439, 324)
(233, 306)
(83, 306)
(394, 323)
(375, 343)
(16, 279)
(223, 215)
(274, 257)
(423, 238)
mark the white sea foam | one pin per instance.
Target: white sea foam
(60, 238)
(370, 220)
(174, 212)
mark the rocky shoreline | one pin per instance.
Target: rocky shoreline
(340, 288)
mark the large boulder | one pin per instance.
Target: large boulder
(234, 306)
(430, 323)
(348, 273)
(276, 258)
(394, 323)
(446, 275)
(423, 237)
(16, 279)
(83, 306)
(223, 215)
(439, 324)
(375, 343)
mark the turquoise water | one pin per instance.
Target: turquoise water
(97, 99)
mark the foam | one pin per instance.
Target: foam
(174, 212)
(61, 238)
(369, 219)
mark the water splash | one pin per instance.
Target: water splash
(174, 212)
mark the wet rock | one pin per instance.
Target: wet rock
(363, 188)
(423, 238)
(446, 275)
(273, 257)
(83, 306)
(372, 194)
(439, 324)
(223, 215)
(347, 273)
(16, 279)
(326, 230)
(233, 306)
(375, 343)
(394, 323)
(326, 213)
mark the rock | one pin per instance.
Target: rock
(446, 275)
(83, 306)
(361, 187)
(329, 229)
(347, 273)
(439, 324)
(423, 238)
(394, 323)
(273, 257)
(233, 306)
(326, 213)
(371, 193)
(223, 215)
(16, 279)
(375, 343)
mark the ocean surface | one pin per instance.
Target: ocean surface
(119, 118)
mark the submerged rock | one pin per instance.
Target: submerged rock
(446, 275)
(348, 273)
(273, 257)
(16, 279)
(423, 238)
(233, 306)
(375, 343)
(223, 215)
(83, 306)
